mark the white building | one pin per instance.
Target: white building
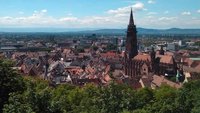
(171, 47)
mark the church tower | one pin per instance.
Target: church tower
(131, 39)
(131, 45)
(153, 59)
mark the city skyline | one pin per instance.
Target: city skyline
(99, 14)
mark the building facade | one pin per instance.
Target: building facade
(138, 64)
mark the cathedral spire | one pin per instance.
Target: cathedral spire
(131, 45)
(131, 38)
(131, 21)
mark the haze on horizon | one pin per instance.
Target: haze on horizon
(157, 14)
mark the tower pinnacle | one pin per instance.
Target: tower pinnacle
(131, 21)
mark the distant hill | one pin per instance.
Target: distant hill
(145, 31)
(104, 31)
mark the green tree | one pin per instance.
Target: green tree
(10, 82)
(17, 104)
(189, 96)
(144, 96)
(36, 98)
(60, 102)
(164, 101)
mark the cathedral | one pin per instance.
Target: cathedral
(138, 64)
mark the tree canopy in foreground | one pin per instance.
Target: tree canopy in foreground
(31, 95)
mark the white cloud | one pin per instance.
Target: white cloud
(40, 18)
(167, 18)
(136, 7)
(152, 13)
(186, 13)
(198, 11)
(39, 13)
(150, 17)
(151, 1)
(117, 18)
(44, 11)
(158, 22)
(68, 19)
(36, 19)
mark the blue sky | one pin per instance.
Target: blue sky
(99, 13)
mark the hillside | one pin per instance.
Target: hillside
(145, 31)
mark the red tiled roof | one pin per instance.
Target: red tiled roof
(107, 78)
(159, 80)
(143, 57)
(109, 54)
(169, 53)
(166, 59)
